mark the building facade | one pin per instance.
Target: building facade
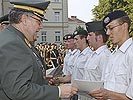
(58, 23)
(74, 23)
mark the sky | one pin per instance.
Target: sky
(81, 9)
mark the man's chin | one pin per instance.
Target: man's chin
(35, 39)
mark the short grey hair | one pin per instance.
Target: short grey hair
(15, 15)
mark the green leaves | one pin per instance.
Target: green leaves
(106, 6)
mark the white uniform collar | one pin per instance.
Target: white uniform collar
(86, 50)
(124, 46)
(100, 49)
(74, 51)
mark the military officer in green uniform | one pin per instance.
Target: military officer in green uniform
(21, 70)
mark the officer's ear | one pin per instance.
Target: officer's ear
(24, 19)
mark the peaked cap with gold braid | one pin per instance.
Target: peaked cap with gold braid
(38, 8)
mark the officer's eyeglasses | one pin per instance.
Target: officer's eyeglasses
(38, 20)
(111, 28)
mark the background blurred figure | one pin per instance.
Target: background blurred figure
(4, 22)
(68, 61)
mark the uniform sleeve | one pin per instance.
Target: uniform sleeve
(16, 74)
(65, 65)
(129, 91)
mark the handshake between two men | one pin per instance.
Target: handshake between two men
(66, 90)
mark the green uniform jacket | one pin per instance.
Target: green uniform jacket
(21, 76)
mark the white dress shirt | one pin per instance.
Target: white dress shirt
(69, 61)
(118, 75)
(96, 63)
(79, 64)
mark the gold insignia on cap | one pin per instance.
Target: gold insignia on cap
(106, 20)
(30, 9)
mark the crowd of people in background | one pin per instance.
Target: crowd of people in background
(52, 54)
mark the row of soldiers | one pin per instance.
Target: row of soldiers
(53, 54)
(114, 69)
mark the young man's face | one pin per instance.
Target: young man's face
(65, 44)
(92, 39)
(70, 43)
(78, 41)
(116, 32)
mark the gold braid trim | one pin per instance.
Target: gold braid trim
(27, 42)
(30, 9)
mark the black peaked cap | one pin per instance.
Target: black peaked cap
(4, 18)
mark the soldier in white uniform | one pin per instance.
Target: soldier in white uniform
(80, 39)
(97, 61)
(70, 55)
(97, 39)
(69, 62)
(69, 59)
(118, 76)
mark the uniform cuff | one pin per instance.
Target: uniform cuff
(59, 91)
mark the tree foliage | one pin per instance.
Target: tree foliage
(79, 28)
(106, 6)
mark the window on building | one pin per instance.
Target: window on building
(57, 36)
(57, 16)
(57, 0)
(44, 36)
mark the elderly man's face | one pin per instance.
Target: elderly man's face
(33, 26)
